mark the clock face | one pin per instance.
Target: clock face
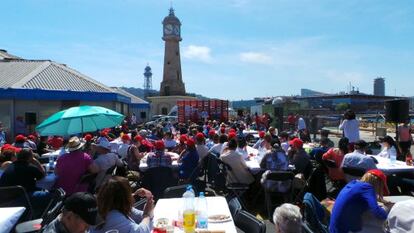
(168, 29)
(177, 30)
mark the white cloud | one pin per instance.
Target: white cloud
(201, 53)
(255, 57)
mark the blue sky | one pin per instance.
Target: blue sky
(232, 49)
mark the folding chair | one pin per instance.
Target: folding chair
(16, 196)
(314, 214)
(157, 179)
(53, 210)
(249, 223)
(352, 173)
(284, 179)
(234, 206)
(236, 189)
(175, 191)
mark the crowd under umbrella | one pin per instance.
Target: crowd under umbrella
(79, 119)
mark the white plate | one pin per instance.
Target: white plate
(226, 219)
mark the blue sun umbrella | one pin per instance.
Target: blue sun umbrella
(79, 119)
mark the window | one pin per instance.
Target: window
(143, 115)
(164, 111)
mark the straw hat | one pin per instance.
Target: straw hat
(75, 144)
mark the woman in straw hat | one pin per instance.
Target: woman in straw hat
(71, 166)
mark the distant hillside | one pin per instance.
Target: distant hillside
(140, 92)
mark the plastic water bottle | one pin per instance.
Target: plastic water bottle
(190, 188)
(189, 211)
(393, 158)
(202, 217)
(51, 163)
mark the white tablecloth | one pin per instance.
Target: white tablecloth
(55, 153)
(169, 208)
(115, 145)
(385, 165)
(9, 217)
(47, 182)
(395, 199)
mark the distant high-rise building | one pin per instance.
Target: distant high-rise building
(379, 86)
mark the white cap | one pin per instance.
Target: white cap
(400, 219)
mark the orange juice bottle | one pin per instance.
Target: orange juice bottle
(189, 221)
(189, 211)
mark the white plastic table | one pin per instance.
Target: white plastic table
(384, 164)
(170, 209)
(9, 216)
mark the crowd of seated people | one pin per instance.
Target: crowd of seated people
(187, 145)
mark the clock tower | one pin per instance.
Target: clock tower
(172, 83)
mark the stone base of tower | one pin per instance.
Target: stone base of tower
(162, 105)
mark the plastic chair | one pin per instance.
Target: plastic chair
(237, 189)
(234, 206)
(352, 173)
(277, 176)
(314, 214)
(52, 211)
(176, 191)
(16, 196)
(249, 223)
(157, 179)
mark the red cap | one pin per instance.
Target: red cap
(159, 145)
(126, 137)
(56, 142)
(382, 177)
(88, 137)
(296, 142)
(149, 146)
(183, 138)
(190, 142)
(104, 133)
(8, 147)
(232, 131)
(232, 135)
(138, 138)
(212, 132)
(20, 138)
(261, 134)
(200, 136)
(222, 130)
(31, 137)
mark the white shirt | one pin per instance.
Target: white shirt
(170, 143)
(351, 129)
(239, 171)
(358, 160)
(202, 151)
(104, 162)
(285, 146)
(301, 124)
(216, 149)
(243, 152)
(123, 150)
(387, 152)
